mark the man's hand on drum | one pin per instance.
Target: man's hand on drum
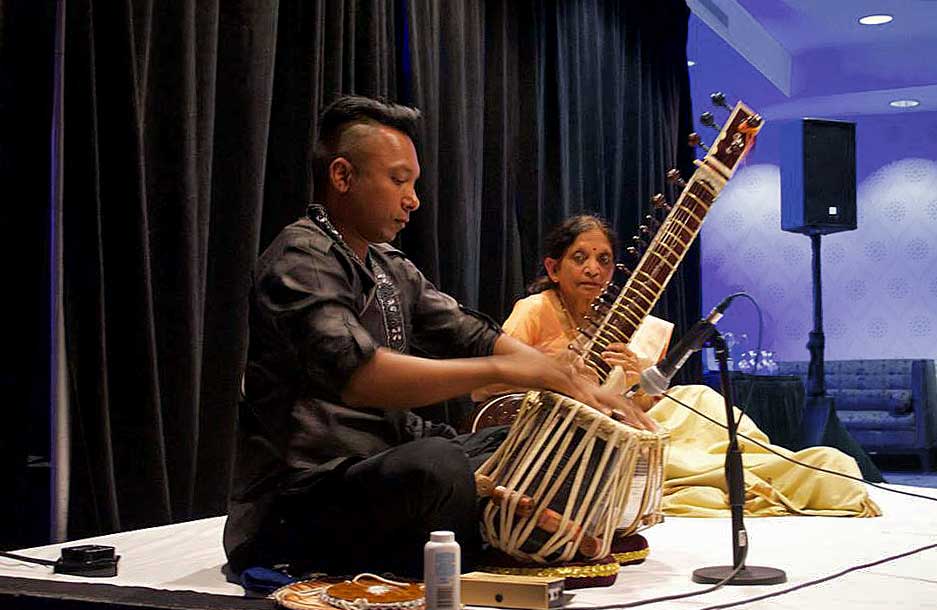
(538, 371)
(612, 404)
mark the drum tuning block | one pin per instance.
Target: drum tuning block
(485, 487)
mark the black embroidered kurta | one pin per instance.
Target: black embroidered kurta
(318, 313)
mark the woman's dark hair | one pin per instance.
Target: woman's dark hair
(562, 236)
(347, 111)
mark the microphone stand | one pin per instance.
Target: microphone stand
(735, 480)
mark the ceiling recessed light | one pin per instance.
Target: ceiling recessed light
(904, 103)
(690, 63)
(875, 19)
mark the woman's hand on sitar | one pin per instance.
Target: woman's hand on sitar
(618, 354)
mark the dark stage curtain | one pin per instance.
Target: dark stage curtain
(323, 48)
(186, 150)
(540, 110)
(167, 114)
(26, 83)
(187, 131)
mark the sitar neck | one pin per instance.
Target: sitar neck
(619, 320)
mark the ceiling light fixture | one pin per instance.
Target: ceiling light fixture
(875, 19)
(904, 103)
(690, 63)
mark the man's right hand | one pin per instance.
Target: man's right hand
(530, 369)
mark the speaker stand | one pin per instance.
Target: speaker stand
(735, 480)
(818, 406)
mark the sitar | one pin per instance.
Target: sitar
(617, 314)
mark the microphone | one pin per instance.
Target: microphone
(656, 379)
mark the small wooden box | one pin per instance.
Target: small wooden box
(508, 591)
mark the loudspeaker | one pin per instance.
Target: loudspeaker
(818, 176)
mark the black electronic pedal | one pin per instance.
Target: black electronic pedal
(87, 560)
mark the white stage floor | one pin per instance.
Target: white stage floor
(188, 557)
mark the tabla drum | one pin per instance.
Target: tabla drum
(568, 478)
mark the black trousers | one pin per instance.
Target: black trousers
(376, 514)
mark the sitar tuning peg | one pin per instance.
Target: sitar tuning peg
(639, 243)
(625, 273)
(646, 230)
(633, 252)
(673, 176)
(598, 307)
(708, 120)
(660, 204)
(694, 140)
(652, 222)
(719, 99)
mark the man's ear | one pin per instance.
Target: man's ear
(552, 266)
(340, 172)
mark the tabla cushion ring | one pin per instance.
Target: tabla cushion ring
(305, 594)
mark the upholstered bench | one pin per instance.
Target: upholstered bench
(889, 406)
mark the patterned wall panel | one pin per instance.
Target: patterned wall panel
(879, 282)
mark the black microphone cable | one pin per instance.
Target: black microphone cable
(23, 558)
(751, 387)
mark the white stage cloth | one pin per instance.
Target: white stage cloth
(189, 557)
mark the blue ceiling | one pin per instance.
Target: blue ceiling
(812, 57)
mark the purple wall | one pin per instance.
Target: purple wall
(879, 282)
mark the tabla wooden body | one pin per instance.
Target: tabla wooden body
(579, 477)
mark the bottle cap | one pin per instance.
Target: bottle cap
(442, 536)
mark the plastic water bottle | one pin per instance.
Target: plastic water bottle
(442, 567)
